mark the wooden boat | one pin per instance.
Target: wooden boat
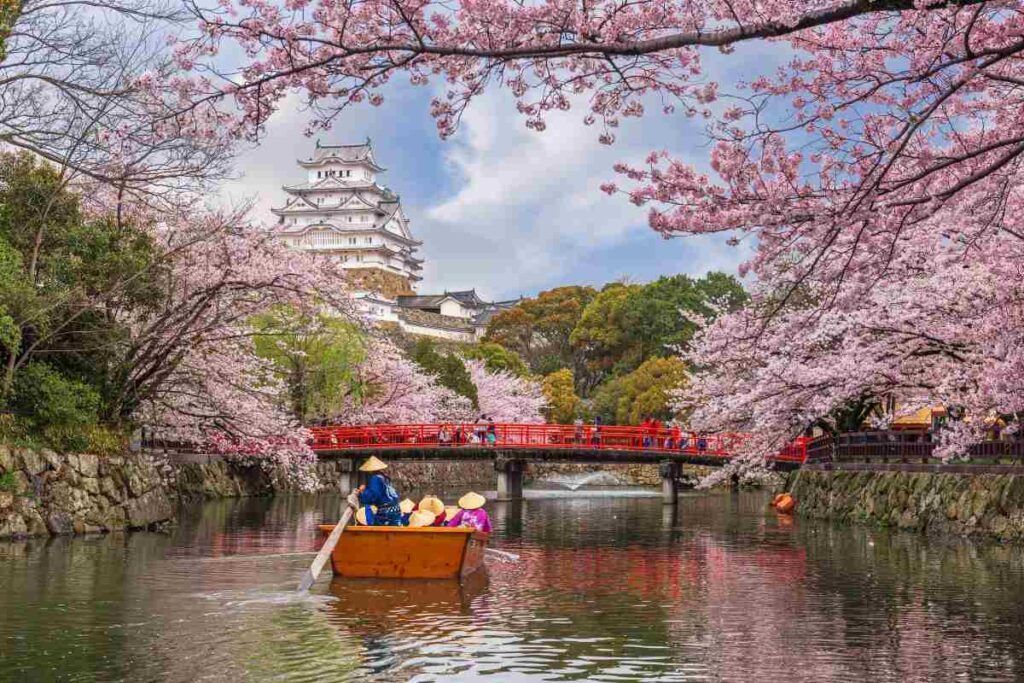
(407, 552)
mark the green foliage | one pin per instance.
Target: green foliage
(448, 368)
(645, 392)
(564, 405)
(60, 410)
(538, 329)
(8, 483)
(46, 398)
(317, 359)
(497, 358)
(62, 276)
(602, 335)
(627, 324)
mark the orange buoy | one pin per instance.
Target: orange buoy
(775, 501)
(786, 504)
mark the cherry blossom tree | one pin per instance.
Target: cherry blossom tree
(505, 397)
(93, 88)
(397, 391)
(877, 171)
(188, 367)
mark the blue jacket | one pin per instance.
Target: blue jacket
(379, 492)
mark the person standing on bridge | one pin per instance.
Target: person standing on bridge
(378, 491)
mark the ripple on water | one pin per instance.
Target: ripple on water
(604, 590)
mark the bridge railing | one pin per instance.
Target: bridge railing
(547, 436)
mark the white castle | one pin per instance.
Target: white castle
(341, 210)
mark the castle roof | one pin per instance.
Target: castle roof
(324, 154)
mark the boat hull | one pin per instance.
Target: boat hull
(407, 552)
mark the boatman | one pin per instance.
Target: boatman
(378, 491)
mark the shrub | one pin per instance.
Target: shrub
(48, 399)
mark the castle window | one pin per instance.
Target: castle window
(369, 240)
(351, 240)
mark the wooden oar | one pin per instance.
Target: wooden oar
(309, 578)
(501, 554)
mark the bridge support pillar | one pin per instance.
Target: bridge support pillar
(346, 475)
(510, 479)
(669, 481)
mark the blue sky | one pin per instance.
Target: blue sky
(499, 207)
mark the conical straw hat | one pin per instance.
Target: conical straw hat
(450, 511)
(421, 518)
(432, 503)
(373, 464)
(406, 506)
(472, 501)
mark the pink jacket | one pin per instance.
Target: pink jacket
(478, 519)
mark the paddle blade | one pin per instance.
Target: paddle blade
(307, 581)
(325, 552)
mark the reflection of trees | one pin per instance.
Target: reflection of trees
(906, 594)
(724, 590)
(60, 596)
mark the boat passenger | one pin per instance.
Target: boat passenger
(472, 513)
(421, 518)
(380, 492)
(449, 512)
(407, 507)
(436, 506)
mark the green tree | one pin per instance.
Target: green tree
(497, 358)
(539, 329)
(601, 336)
(317, 358)
(645, 392)
(625, 324)
(448, 368)
(64, 280)
(564, 405)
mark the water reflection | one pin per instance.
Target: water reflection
(720, 588)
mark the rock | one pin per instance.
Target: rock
(6, 459)
(148, 509)
(6, 500)
(52, 459)
(110, 490)
(12, 525)
(60, 523)
(88, 465)
(30, 461)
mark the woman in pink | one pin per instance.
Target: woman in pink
(472, 513)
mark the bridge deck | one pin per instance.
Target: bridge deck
(535, 454)
(550, 443)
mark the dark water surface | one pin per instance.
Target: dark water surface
(606, 589)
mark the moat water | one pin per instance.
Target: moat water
(606, 589)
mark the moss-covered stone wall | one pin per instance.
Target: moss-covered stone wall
(951, 503)
(51, 493)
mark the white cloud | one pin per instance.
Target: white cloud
(528, 211)
(501, 208)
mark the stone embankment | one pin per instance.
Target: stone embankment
(934, 502)
(52, 493)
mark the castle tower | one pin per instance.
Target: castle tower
(341, 210)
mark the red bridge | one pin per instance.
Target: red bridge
(511, 445)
